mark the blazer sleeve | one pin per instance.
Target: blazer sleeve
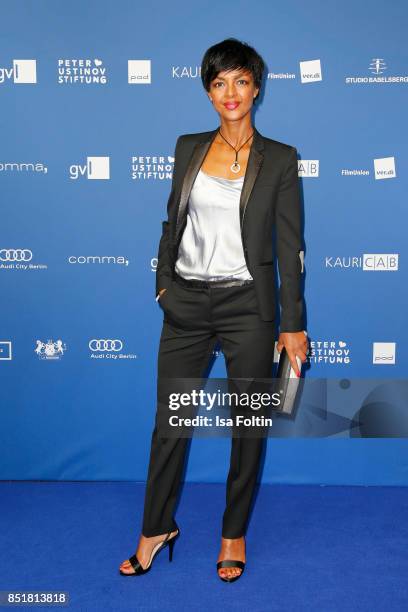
(289, 246)
(163, 271)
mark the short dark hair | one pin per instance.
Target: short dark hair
(231, 54)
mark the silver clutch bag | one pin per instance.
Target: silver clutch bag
(287, 383)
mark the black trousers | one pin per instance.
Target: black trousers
(195, 321)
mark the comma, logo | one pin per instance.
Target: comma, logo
(98, 259)
(18, 167)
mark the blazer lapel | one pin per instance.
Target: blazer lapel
(199, 152)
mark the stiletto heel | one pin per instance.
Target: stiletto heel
(159, 546)
(171, 545)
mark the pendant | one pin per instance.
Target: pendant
(235, 167)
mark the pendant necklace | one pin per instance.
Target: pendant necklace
(235, 166)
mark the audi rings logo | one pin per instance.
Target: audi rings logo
(16, 255)
(105, 345)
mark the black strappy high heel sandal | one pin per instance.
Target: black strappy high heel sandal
(230, 563)
(159, 546)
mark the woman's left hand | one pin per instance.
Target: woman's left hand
(295, 343)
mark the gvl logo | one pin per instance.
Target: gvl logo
(5, 350)
(384, 353)
(139, 72)
(310, 71)
(308, 168)
(95, 168)
(23, 71)
(384, 168)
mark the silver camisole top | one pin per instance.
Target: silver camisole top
(211, 246)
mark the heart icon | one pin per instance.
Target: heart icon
(342, 344)
(98, 62)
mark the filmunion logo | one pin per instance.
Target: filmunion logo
(308, 168)
(153, 264)
(368, 262)
(139, 72)
(103, 348)
(377, 67)
(5, 350)
(23, 71)
(384, 353)
(50, 350)
(98, 259)
(96, 168)
(153, 167)
(310, 71)
(329, 352)
(36, 167)
(283, 76)
(384, 168)
(82, 71)
(18, 259)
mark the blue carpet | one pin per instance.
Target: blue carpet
(308, 548)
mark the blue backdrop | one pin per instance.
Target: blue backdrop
(93, 96)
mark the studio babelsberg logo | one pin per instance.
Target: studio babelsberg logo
(377, 74)
(108, 348)
(81, 72)
(19, 259)
(21, 71)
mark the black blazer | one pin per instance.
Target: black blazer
(270, 215)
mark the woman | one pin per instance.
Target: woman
(232, 187)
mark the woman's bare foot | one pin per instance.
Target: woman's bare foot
(231, 549)
(144, 551)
